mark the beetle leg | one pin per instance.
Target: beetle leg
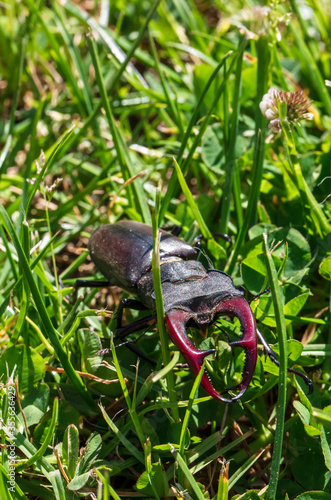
(123, 331)
(91, 283)
(176, 320)
(134, 304)
(273, 357)
(135, 326)
(131, 328)
(267, 351)
(174, 229)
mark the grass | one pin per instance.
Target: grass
(149, 111)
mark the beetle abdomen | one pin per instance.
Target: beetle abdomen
(123, 251)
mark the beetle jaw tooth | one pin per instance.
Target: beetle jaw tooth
(176, 320)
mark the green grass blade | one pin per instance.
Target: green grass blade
(30, 158)
(71, 48)
(155, 377)
(135, 45)
(223, 482)
(216, 455)
(159, 305)
(244, 468)
(190, 200)
(121, 437)
(57, 482)
(187, 474)
(166, 89)
(173, 179)
(122, 154)
(184, 429)
(29, 450)
(316, 219)
(312, 69)
(189, 410)
(4, 491)
(232, 178)
(107, 488)
(50, 158)
(278, 301)
(49, 328)
(4, 153)
(47, 440)
(263, 54)
(19, 71)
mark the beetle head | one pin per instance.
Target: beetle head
(178, 319)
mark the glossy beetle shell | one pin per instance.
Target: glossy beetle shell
(123, 251)
(192, 295)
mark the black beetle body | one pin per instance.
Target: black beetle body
(123, 253)
(192, 295)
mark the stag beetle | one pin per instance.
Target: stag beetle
(192, 295)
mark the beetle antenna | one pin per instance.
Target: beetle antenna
(267, 290)
(210, 264)
(133, 341)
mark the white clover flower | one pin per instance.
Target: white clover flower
(257, 21)
(297, 105)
